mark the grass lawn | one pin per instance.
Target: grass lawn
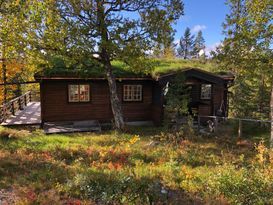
(139, 167)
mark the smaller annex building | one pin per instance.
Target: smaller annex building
(70, 97)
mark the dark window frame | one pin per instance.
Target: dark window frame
(201, 91)
(78, 84)
(132, 101)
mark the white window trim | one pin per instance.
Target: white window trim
(78, 100)
(206, 97)
(130, 98)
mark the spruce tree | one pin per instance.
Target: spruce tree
(199, 45)
(186, 45)
(247, 52)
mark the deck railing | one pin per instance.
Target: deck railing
(19, 103)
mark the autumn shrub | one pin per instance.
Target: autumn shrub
(113, 187)
(69, 155)
(29, 196)
(8, 134)
(245, 187)
(114, 155)
(177, 136)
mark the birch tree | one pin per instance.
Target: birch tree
(123, 30)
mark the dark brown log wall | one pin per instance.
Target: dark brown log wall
(207, 107)
(218, 98)
(55, 105)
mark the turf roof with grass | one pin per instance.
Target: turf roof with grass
(158, 67)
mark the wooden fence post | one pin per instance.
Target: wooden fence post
(21, 106)
(12, 108)
(30, 97)
(240, 129)
(215, 124)
(25, 99)
(198, 123)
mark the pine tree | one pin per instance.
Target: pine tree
(186, 45)
(199, 45)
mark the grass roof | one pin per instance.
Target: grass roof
(164, 66)
(157, 68)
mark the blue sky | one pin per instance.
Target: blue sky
(207, 15)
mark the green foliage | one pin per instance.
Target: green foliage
(128, 38)
(244, 187)
(113, 187)
(247, 53)
(177, 97)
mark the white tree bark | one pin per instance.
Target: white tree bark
(115, 101)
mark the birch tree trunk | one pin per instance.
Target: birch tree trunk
(115, 101)
(271, 117)
(105, 59)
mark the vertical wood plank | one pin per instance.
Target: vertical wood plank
(30, 96)
(25, 97)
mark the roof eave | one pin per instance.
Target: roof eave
(98, 78)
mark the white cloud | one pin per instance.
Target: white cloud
(197, 28)
(176, 42)
(212, 47)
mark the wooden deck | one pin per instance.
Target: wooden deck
(31, 115)
(73, 126)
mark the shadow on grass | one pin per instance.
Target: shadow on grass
(146, 131)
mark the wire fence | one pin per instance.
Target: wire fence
(213, 123)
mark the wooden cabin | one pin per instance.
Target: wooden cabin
(74, 98)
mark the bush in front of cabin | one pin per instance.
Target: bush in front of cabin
(177, 99)
(177, 135)
(178, 119)
(114, 187)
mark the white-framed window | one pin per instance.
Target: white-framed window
(79, 93)
(132, 93)
(206, 91)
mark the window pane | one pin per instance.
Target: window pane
(132, 92)
(205, 91)
(73, 92)
(84, 93)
